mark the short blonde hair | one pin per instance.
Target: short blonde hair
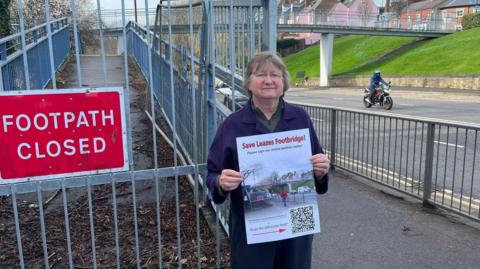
(260, 59)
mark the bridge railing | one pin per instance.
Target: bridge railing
(407, 21)
(435, 161)
(37, 53)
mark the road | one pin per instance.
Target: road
(394, 150)
(438, 104)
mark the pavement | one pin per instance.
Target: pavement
(365, 225)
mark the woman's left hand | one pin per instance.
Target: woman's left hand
(321, 164)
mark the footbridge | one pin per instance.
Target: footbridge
(155, 212)
(324, 25)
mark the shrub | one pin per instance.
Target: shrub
(285, 43)
(471, 21)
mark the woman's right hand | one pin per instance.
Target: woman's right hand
(230, 179)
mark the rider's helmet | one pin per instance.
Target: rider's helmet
(377, 72)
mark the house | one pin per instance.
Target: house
(434, 15)
(361, 13)
(423, 15)
(288, 10)
(452, 12)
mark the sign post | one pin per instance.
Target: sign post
(59, 133)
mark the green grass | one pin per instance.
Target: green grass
(348, 52)
(457, 53)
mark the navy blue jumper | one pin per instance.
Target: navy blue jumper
(289, 253)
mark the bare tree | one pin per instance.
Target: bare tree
(34, 14)
(397, 7)
(364, 12)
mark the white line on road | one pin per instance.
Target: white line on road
(338, 98)
(406, 104)
(448, 144)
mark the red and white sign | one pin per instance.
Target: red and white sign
(58, 133)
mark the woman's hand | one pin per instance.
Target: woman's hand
(321, 164)
(230, 179)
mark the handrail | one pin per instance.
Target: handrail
(13, 36)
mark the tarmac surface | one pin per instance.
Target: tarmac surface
(367, 226)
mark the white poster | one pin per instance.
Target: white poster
(280, 200)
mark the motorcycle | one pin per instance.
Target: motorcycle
(382, 97)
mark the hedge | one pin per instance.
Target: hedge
(471, 21)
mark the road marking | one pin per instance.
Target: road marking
(403, 183)
(338, 98)
(406, 104)
(448, 144)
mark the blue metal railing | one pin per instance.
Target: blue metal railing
(138, 48)
(11, 61)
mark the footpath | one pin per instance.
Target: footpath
(368, 226)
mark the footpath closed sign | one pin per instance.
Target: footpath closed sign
(58, 133)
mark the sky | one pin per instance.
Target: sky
(129, 4)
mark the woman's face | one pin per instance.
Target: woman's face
(267, 82)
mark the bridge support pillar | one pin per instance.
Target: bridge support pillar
(326, 52)
(120, 48)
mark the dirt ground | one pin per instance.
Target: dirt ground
(103, 215)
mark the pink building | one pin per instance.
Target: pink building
(357, 13)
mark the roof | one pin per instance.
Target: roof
(457, 3)
(423, 5)
(325, 4)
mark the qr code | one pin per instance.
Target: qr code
(302, 219)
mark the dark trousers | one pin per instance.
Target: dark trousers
(285, 254)
(371, 92)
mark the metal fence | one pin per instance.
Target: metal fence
(123, 219)
(433, 160)
(38, 52)
(435, 21)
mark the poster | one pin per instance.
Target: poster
(279, 194)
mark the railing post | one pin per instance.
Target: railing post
(3, 51)
(3, 57)
(209, 84)
(34, 36)
(333, 135)
(427, 179)
(269, 29)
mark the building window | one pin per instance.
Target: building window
(459, 13)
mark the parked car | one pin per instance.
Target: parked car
(254, 195)
(304, 189)
(224, 93)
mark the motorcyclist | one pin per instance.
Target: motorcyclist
(374, 83)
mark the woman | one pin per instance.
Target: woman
(266, 112)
